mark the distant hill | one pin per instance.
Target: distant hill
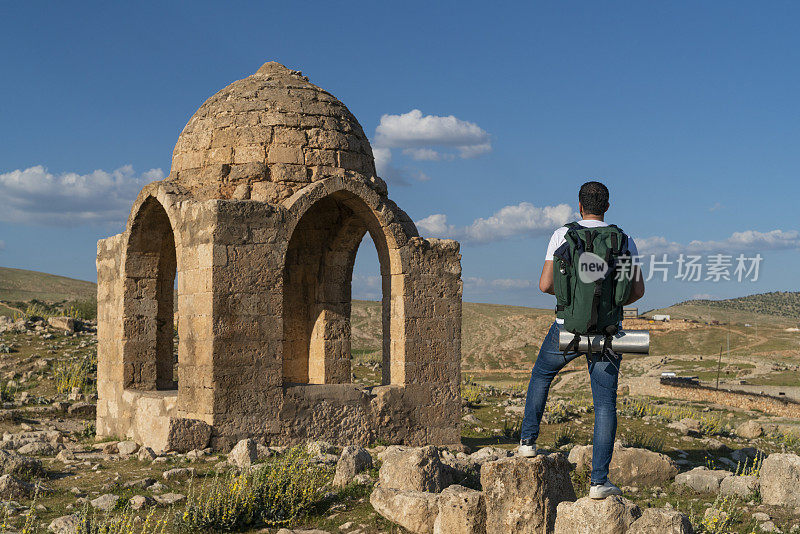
(776, 306)
(22, 285)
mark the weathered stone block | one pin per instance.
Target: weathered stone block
(522, 494)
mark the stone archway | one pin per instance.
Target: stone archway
(149, 301)
(318, 274)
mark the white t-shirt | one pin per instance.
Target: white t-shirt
(558, 239)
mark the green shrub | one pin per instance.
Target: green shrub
(274, 493)
(563, 436)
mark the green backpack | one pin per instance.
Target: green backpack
(592, 278)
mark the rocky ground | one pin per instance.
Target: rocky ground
(683, 464)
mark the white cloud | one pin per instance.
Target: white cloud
(716, 207)
(2, 245)
(426, 138)
(366, 287)
(507, 284)
(425, 154)
(702, 296)
(35, 195)
(413, 129)
(523, 219)
(747, 241)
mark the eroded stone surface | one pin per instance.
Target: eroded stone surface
(522, 493)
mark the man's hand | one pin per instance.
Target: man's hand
(546, 279)
(637, 291)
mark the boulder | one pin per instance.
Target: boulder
(415, 511)
(630, 466)
(12, 488)
(138, 502)
(461, 511)
(126, 448)
(66, 324)
(750, 430)
(66, 524)
(413, 469)
(780, 480)
(612, 515)
(244, 454)
(522, 494)
(353, 460)
(38, 448)
(12, 463)
(106, 502)
(312, 531)
(661, 521)
(168, 499)
(702, 479)
(740, 486)
(185, 435)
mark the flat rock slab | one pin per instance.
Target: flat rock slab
(415, 511)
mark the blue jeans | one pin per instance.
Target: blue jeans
(603, 374)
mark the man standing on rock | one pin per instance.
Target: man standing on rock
(590, 267)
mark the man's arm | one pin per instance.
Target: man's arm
(546, 279)
(637, 291)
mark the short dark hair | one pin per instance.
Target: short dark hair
(593, 196)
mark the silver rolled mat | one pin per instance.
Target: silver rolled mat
(624, 341)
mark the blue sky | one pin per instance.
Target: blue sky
(686, 110)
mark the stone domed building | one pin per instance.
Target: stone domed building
(272, 188)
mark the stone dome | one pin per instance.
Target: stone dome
(267, 136)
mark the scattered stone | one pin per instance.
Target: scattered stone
(106, 502)
(146, 454)
(66, 524)
(66, 324)
(780, 479)
(139, 502)
(522, 493)
(413, 469)
(702, 479)
(168, 499)
(761, 516)
(750, 430)
(415, 511)
(661, 521)
(13, 488)
(612, 515)
(126, 448)
(142, 483)
(179, 473)
(243, 454)
(630, 466)
(38, 448)
(65, 456)
(461, 511)
(13, 464)
(353, 461)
